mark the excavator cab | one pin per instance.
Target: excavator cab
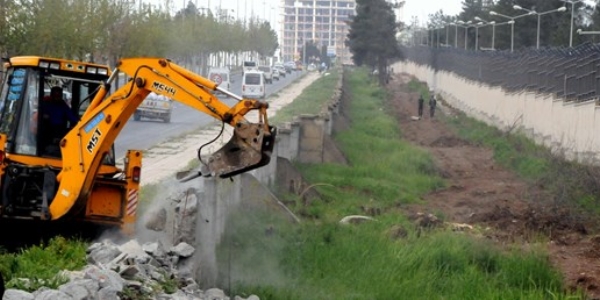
(32, 127)
(39, 106)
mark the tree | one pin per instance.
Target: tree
(312, 52)
(372, 36)
(104, 31)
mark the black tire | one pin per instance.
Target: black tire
(167, 119)
(137, 117)
(2, 287)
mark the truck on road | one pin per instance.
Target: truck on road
(154, 107)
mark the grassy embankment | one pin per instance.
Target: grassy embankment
(321, 259)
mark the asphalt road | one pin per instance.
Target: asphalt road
(142, 135)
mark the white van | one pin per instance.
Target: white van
(221, 76)
(253, 85)
(249, 66)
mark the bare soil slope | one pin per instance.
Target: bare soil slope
(484, 194)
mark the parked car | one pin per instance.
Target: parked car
(268, 73)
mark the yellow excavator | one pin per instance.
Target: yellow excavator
(54, 169)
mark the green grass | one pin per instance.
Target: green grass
(321, 259)
(311, 100)
(41, 264)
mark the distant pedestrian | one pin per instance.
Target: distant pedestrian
(432, 105)
(421, 103)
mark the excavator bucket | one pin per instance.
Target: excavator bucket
(249, 148)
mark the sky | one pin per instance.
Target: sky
(423, 8)
(270, 8)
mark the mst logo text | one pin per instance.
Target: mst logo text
(94, 140)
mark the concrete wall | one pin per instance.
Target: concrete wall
(304, 140)
(565, 127)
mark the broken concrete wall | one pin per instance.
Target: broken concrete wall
(200, 216)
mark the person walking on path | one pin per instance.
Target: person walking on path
(432, 105)
(421, 103)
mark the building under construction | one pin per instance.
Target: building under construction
(322, 22)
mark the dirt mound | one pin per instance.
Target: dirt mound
(483, 193)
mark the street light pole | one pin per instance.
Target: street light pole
(493, 34)
(539, 15)
(512, 36)
(466, 27)
(493, 23)
(581, 32)
(477, 36)
(572, 15)
(512, 26)
(446, 25)
(455, 35)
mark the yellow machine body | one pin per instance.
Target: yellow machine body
(75, 177)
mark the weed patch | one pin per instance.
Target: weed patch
(311, 100)
(41, 264)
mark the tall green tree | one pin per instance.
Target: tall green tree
(372, 36)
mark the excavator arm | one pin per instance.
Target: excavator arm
(85, 146)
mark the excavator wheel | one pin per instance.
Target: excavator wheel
(2, 286)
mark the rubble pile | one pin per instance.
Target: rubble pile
(130, 271)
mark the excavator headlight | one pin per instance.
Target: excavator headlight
(91, 70)
(55, 66)
(102, 71)
(44, 64)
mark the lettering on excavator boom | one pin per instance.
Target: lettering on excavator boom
(161, 87)
(94, 140)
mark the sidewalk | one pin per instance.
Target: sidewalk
(167, 158)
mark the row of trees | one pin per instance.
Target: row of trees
(554, 26)
(105, 30)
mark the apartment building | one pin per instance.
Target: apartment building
(320, 21)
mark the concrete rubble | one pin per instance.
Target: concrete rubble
(130, 271)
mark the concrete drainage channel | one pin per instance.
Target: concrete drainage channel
(174, 253)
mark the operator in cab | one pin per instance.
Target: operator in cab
(55, 113)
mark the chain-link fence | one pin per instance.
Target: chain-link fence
(569, 73)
